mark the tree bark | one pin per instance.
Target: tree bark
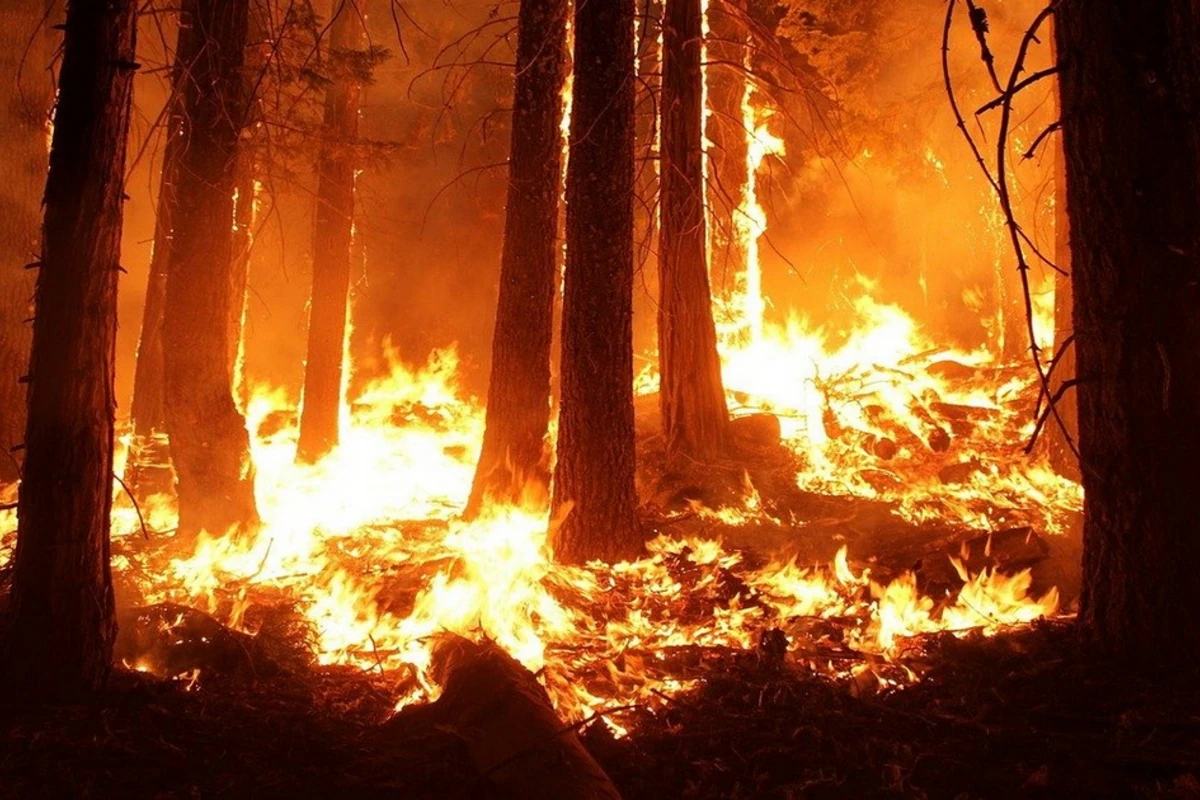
(694, 415)
(1062, 459)
(332, 241)
(63, 625)
(594, 476)
(24, 111)
(148, 470)
(1130, 94)
(209, 444)
(515, 457)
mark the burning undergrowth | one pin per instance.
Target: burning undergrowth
(362, 559)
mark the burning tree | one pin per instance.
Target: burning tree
(62, 619)
(22, 177)
(1130, 76)
(514, 457)
(209, 443)
(333, 231)
(694, 415)
(147, 457)
(594, 477)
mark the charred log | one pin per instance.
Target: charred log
(515, 739)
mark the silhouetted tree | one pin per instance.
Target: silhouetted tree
(1130, 75)
(595, 469)
(147, 470)
(332, 237)
(209, 444)
(515, 454)
(694, 415)
(62, 625)
(1062, 458)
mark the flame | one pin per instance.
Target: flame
(368, 545)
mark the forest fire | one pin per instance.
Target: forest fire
(677, 398)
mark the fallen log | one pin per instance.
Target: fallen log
(512, 733)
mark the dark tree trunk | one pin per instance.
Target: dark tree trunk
(595, 470)
(1130, 96)
(209, 444)
(727, 155)
(260, 49)
(515, 456)
(694, 415)
(24, 109)
(332, 241)
(148, 469)
(1062, 459)
(63, 623)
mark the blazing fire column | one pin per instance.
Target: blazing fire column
(514, 457)
(332, 238)
(62, 619)
(209, 444)
(1130, 89)
(595, 471)
(695, 417)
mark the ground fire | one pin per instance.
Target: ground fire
(684, 398)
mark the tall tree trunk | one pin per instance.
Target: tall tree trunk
(26, 93)
(63, 622)
(1062, 459)
(515, 458)
(595, 470)
(694, 415)
(260, 49)
(1130, 96)
(209, 444)
(148, 469)
(332, 241)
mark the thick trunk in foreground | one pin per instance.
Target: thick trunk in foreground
(1130, 93)
(332, 239)
(595, 470)
(209, 444)
(695, 417)
(515, 458)
(26, 93)
(62, 629)
(148, 469)
(509, 726)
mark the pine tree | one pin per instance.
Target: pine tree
(594, 476)
(514, 458)
(332, 238)
(62, 624)
(694, 415)
(209, 443)
(1130, 76)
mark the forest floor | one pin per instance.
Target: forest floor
(1028, 713)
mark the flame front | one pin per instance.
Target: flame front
(369, 546)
